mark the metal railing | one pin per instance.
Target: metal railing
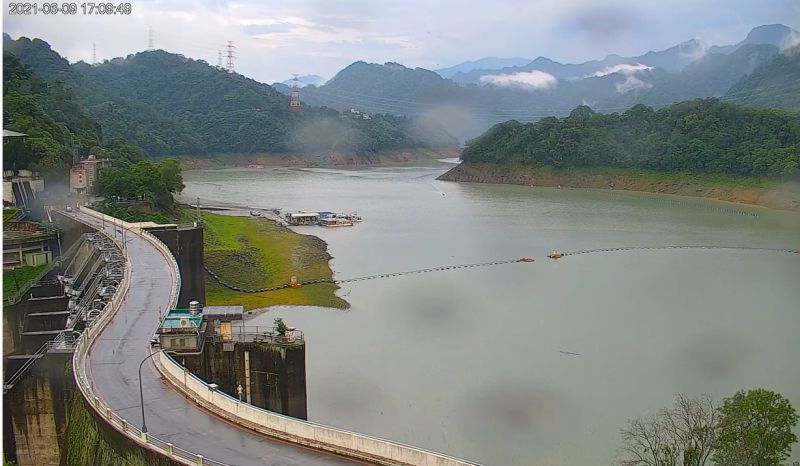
(87, 339)
(31, 361)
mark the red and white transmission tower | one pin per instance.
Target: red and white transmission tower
(294, 101)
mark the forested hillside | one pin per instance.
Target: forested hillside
(701, 136)
(775, 85)
(471, 102)
(59, 128)
(172, 105)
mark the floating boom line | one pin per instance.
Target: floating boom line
(483, 264)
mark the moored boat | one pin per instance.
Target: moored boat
(335, 222)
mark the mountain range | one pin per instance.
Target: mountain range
(306, 80)
(474, 99)
(673, 59)
(489, 63)
(169, 104)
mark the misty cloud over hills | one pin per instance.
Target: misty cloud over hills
(543, 87)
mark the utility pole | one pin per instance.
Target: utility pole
(94, 54)
(150, 44)
(198, 211)
(231, 54)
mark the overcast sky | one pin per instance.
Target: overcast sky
(276, 38)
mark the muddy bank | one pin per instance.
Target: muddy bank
(329, 159)
(745, 190)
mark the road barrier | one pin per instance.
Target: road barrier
(83, 348)
(354, 445)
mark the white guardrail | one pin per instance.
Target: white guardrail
(351, 444)
(318, 436)
(87, 339)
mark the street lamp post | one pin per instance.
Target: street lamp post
(141, 393)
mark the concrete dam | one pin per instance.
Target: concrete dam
(188, 421)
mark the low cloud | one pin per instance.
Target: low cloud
(623, 68)
(526, 79)
(792, 40)
(632, 83)
(694, 49)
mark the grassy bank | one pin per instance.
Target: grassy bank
(744, 190)
(258, 253)
(90, 441)
(16, 281)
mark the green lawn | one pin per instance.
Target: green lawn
(257, 253)
(17, 280)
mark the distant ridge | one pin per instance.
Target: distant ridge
(543, 87)
(169, 104)
(488, 63)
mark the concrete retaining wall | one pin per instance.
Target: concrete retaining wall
(186, 245)
(372, 449)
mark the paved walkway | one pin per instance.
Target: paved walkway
(113, 368)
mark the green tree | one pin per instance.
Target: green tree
(280, 326)
(170, 105)
(755, 429)
(703, 136)
(144, 181)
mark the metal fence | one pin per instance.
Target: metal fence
(31, 361)
(83, 346)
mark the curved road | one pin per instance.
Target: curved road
(113, 368)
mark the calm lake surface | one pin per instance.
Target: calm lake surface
(468, 362)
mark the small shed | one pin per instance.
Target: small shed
(220, 318)
(302, 218)
(182, 330)
(223, 313)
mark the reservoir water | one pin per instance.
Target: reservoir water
(474, 362)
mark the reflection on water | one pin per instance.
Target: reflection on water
(472, 362)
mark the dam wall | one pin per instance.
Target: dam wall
(185, 242)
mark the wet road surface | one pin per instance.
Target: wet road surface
(113, 368)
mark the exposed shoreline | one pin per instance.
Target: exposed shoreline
(749, 191)
(258, 252)
(328, 159)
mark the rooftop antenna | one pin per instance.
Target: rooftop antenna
(150, 45)
(231, 54)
